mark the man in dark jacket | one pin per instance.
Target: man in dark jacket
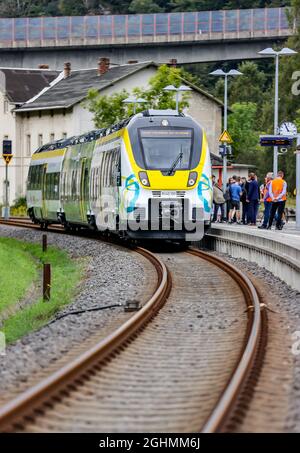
(252, 198)
(244, 187)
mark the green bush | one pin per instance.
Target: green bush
(19, 208)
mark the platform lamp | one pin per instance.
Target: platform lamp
(220, 72)
(179, 90)
(133, 100)
(269, 52)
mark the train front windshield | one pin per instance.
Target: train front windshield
(164, 148)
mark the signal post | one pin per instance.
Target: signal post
(7, 156)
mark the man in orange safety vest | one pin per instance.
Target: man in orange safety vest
(277, 192)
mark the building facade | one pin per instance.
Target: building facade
(16, 87)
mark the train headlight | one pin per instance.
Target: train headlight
(144, 178)
(192, 178)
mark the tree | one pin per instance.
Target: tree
(242, 127)
(71, 8)
(144, 7)
(253, 79)
(108, 110)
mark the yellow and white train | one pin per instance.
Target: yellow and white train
(147, 177)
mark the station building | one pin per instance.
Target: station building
(16, 87)
(54, 109)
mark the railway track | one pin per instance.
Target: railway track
(169, 368)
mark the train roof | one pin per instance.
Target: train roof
(98, 133)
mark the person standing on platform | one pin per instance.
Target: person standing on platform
(252, 199)
(235, 191)
(278, 191)
(267, 201)
(219, 201)
(227, 197)
(244, 186)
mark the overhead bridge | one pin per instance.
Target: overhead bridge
(190, 37)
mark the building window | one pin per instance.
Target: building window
(5, 106)
(52, 137)
(64, 135)
(40, 140)
(28, 145)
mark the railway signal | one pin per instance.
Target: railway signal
(7, 156)
(225, 150)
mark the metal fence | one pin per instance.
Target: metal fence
(207, 23)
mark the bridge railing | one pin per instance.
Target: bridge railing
(203, 25)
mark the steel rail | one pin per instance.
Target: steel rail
(13, 414)
(223, 409)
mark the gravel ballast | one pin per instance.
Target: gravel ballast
(279, 390)
(112, 275)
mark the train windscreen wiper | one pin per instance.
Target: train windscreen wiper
(175, 163)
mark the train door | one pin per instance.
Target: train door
(84, 189)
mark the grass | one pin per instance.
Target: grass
(17, 272)
(66, 274)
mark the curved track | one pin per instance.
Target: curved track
(161, 370)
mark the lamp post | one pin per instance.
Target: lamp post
(133, 100)
(177, 91)
(220, 72)
(269, 52)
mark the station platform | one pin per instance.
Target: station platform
(277, 251)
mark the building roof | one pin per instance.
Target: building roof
(23, 84)
(65, 92)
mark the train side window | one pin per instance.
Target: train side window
(68, 184)
(31, 178)
(34, 177)
(55, 186)
(65, 186)
(102, 170)
(106, 169)
(86, 193)
(116, 169)
(108, 172)
(76, 185)
(51, 186)
(91, 185)
(94, 184)
(73, 185)
(38, 177)
(62, 185)
(47, 183)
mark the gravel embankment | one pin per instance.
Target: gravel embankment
(277, 406)
(112, 275)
